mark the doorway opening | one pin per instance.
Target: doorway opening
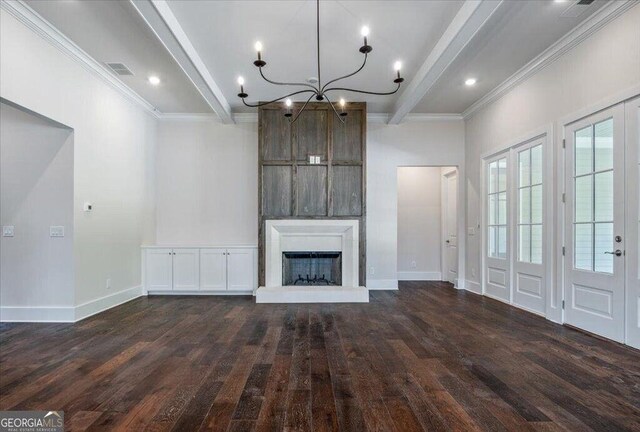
(428, 223)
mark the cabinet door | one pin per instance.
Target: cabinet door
(186, 269)
(213, 269)
(240, 269)
(159, 269)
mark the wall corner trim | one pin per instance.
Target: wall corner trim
(472, 286)
(419, 276)
(591, 25)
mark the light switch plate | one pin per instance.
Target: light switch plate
(56, 231)
(7, 231)
(472, 231)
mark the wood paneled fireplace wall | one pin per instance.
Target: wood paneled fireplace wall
(292, 187)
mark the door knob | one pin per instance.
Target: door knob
(617, 252)
(447, 241)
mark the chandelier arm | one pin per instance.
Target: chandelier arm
(285, 83)
(347, 76)
(301, 109)
(334, 110)
(279, 99)
(363, 91)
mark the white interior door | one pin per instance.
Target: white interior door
(497, 271)
(158, 269)
(529, 276)
(186, 269)
(632, 138)
(213, 269)
(451, 227)
(240, 273)
(594, 224)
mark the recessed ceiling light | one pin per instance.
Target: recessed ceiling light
(559, 1)
(470, 81)
(154, 80)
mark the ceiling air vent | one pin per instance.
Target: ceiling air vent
(119, 68)
(576, 9)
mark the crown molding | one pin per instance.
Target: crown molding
(43, 28)
(413, 117)
(591, 25)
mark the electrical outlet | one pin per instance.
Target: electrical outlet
(372, 270)
(56, 231)
(413, 264)
(7, 231)
(108, 284)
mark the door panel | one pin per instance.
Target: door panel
(186, 269)
(594, 284)
(497, 253)
(159, 269)
(240, 270)
(529, 282)
(451, 227)
(632, 138)
(213, 269)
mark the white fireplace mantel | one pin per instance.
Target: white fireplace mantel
(311, 235)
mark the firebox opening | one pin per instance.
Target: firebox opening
(311, 268)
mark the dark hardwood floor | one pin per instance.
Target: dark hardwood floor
(426, 357)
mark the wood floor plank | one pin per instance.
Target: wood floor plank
(424, 358)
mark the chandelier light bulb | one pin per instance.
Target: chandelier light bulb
(364, 31)
(258, 46)
(342, 103)
(240, 80)
(288, 103)
(397, 66)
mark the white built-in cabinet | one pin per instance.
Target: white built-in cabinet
(192, 270)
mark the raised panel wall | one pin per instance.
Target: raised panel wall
(291, 188)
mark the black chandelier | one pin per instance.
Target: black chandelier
(319, 91)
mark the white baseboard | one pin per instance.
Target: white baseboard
(382, 284)
(68, 314)
(419, 276)
(37, 314)
(472, 286)
(101, 304)
(201, 293)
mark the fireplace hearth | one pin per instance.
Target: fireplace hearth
(311, 268)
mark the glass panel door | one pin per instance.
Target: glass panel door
(497, 271)
(594, 284)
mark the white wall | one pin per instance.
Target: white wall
(207, 186)
(389, 147)
(114, 153)
(604, 65)
(419, 223)
(36, 191)
(207, 183)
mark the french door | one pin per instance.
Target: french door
(632, 127)
(497, 272)
(595, 224)
(529, 286)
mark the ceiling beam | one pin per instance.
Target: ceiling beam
(470, 18)
(159, 17)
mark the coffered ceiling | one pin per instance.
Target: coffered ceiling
(199, 48)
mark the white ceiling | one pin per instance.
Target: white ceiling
(223, 34)
(516, 33)
(112, 31)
